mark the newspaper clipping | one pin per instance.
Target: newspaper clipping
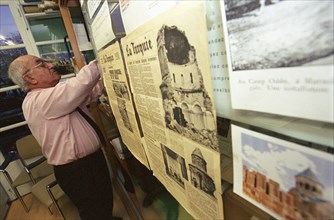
(120, 99)
(169, 71)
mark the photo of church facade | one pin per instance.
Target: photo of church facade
(187, 104)
(175, 165)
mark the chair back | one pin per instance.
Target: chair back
(28, 147)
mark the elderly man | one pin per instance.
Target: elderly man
(55, 113)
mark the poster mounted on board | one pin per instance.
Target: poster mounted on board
(281, 56)
(169, 71)
(135, 13)
(102, 29)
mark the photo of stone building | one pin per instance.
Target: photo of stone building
(198, 173)
(175, 165)
(304, 201)
(121, 90)
(187, 104)
(124, 113)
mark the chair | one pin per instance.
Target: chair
(34, 164)
(48, 192)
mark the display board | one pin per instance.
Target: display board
(175, 69)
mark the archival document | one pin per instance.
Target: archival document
(120, 99)
(82, 38)
(280, 57)
(285, 179)
(102, 30)
(218, 61)
(92, 6)
(134, 13)
(169, 71)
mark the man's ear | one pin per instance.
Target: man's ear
(31, 80)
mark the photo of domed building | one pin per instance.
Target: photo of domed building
(198, 173)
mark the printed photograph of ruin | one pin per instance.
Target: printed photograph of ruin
(187, 104)
(121, 90)
(124, 113)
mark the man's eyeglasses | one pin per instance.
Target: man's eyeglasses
(42, 63)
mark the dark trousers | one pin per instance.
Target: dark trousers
(87, 183)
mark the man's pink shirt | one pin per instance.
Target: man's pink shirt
(63, 133)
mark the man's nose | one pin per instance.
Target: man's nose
(49, 65)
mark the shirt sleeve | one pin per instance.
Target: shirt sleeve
(95, 93)
(66, 96)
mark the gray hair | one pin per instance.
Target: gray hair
(15, 72)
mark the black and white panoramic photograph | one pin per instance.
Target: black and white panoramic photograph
(121, 90)
(175, 165)
(124, 113)
(264, 34)
(189, 109)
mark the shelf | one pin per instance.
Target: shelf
(302, 129)
(23, 3)
(234, 205)
(43, 15)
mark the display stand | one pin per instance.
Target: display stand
(309, 133)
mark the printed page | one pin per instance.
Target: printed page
(92, 6)
(169, 71)
(219, 71)
(102, 30)
(81, 35)
(280, 61)
(170, 63)
(135, 13)
(120, 99)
